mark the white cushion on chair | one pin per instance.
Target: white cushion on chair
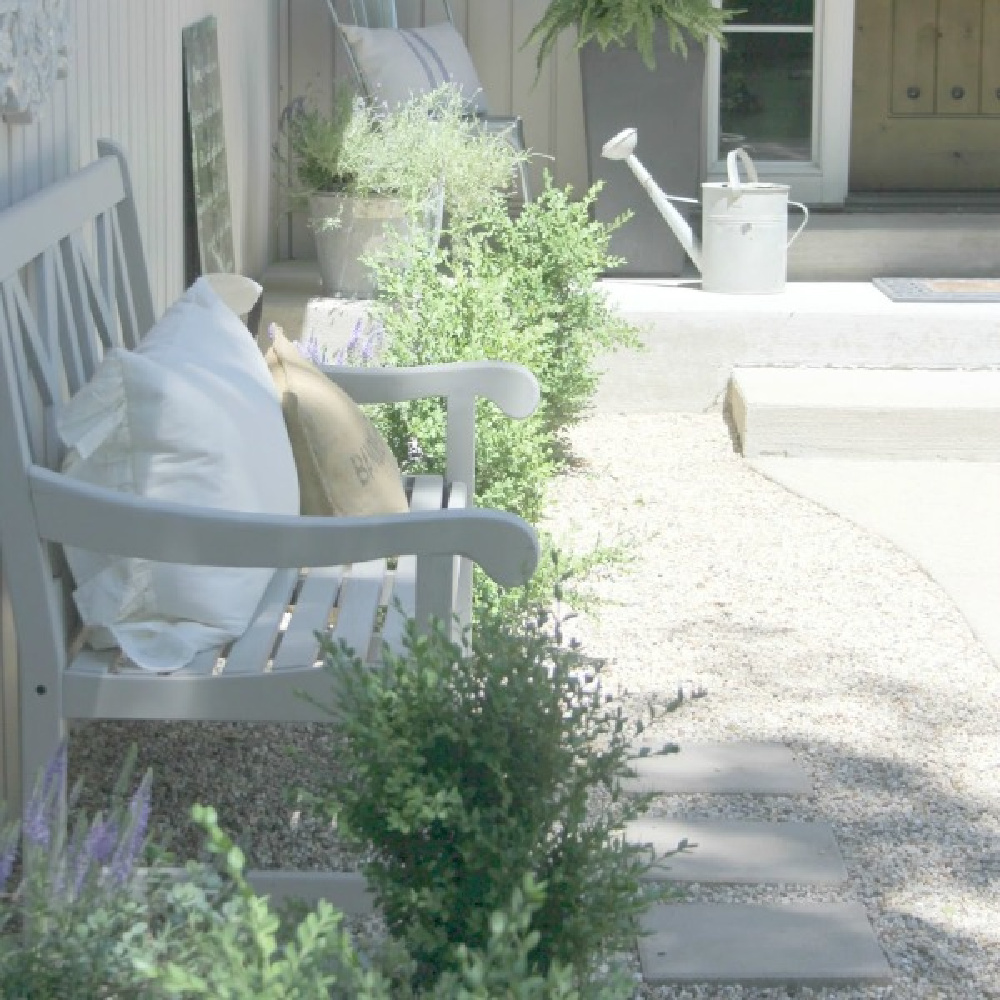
(396, 64)
(191, 416)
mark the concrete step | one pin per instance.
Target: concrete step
(693, 339)
(794, 944)
(853, 412)
(718, 768)
(853, 246)
(742, 851)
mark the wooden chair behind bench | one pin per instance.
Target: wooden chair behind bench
(73, 283)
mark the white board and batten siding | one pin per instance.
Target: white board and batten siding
(125, 82)
(495, 31)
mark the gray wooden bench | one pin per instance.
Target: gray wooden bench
(73, 283)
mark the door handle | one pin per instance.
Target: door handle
(958, 93)
(914, 92)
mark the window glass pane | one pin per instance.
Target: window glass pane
(772, 11)
(765, 95)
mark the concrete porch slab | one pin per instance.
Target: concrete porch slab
(864, 412)
(693, 339)
(742, 851)
(802, 944)
(720, 768)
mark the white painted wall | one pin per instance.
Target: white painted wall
(124, 82)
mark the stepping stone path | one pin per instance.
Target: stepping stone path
(795, 944)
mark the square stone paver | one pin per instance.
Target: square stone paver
(720, 768)
(729, 851)
(812, 944)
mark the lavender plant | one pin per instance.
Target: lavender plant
(83, 919)
(73, 921)
(365, 344)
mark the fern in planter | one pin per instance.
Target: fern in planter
(629, 22)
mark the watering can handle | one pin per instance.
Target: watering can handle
(733, 168)
(805, 219)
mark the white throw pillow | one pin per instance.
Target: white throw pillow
(396, 64)
(191, 416)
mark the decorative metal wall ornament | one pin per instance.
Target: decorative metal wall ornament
(34, 53)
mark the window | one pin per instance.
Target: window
(766, 99)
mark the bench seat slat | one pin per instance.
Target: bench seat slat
(359, 605)
(317, 597)
(252, 651)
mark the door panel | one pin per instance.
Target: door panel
(926, 95)
(913, 41)
(990, 81)
(959, 57)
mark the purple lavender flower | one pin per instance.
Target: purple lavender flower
(8, 853)
(373, 344)
(101, 840)
(134, 837)
(94, 850)
(346, 353)
(312, 350)
(39, 815)
(363, 344)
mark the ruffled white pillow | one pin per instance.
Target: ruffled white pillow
(191, 416)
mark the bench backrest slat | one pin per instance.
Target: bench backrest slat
(73, 284)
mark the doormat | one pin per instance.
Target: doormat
(939, 289)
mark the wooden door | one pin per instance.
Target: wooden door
(926, 101)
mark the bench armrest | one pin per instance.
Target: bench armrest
(102, 520)
(512, 387)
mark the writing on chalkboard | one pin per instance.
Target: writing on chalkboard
(208, 212)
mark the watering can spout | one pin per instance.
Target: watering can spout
(622, 147)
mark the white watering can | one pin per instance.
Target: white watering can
(744, 224)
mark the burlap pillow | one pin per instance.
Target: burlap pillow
(344, 465)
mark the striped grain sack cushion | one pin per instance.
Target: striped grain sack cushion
(396, 65)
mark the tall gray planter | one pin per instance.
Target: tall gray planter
(665, 105)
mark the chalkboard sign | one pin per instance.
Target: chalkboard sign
(207, 209)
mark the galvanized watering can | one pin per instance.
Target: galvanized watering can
(744, 223)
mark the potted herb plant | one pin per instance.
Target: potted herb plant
(366, 171)
(642, 64)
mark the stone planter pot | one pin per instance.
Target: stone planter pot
(665, 105)
(347, 227)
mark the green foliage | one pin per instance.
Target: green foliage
(238, 948)
(519, 290)
(629, 22)
(404, 152)
(503, 969)
(469, 768)
(85, 921)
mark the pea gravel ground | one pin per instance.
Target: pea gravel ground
(798, 627)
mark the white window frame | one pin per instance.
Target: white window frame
(823, 180)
